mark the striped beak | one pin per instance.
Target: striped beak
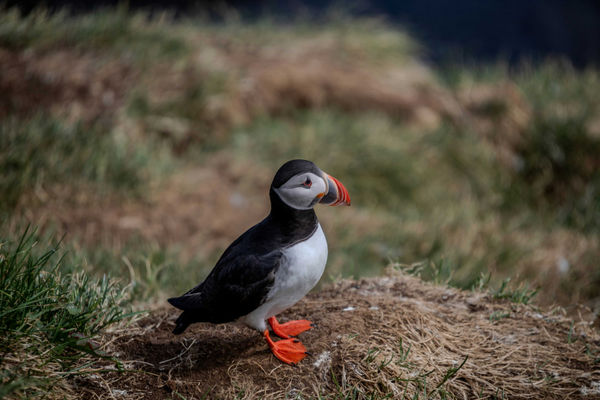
(336, 192)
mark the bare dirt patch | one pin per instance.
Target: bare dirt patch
(394, 335)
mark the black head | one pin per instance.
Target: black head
(300, 184)
(292, 168)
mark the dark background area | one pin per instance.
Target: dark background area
(451, 31)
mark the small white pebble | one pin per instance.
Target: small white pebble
(324, 357)
(373, 308)
(593, 390)
(349, 308)
(563, 265)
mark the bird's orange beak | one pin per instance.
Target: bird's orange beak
(336, 192)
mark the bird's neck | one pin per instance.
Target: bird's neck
(291, 219)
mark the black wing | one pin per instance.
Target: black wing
(236, 286)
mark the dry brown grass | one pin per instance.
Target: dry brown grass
(257, 79)
(74, 85)
(393, 335)
(200, 209)
(498, 112)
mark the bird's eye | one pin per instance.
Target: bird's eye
(307, 183)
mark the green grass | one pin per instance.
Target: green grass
(441, 183)
(42, 151)
(370, 164)
(50, 312)
(561, 171)
(557, 175)
(153, 271)
(370, 38)
(137, 37)
(519, 295)
(441, 273)
(185, 122)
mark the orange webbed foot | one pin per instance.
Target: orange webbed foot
(291, 328)
(290, 351)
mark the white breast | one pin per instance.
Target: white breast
(301, 268)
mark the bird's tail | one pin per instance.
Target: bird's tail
(181, 324)
(192, 306)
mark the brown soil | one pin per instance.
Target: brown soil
(394, 335)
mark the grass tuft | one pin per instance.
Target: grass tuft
(521, 294)
(50, 314)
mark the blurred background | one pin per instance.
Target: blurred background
(144, 136)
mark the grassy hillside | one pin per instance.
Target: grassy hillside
(490, 170)
(148, 145)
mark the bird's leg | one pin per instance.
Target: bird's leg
(290, 351)
(291, 328)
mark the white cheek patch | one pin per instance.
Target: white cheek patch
(300, 197)
(293, 197)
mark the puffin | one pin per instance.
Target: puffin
(271, 266)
